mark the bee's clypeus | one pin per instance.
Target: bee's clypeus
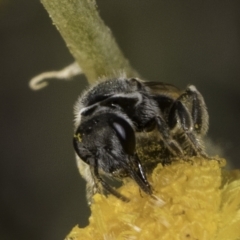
(110, 117)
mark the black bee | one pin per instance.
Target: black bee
(111, 115)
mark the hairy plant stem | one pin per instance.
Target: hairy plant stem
(89, 40)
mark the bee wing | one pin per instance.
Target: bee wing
(160, 88)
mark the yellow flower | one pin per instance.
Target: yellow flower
(193, 200)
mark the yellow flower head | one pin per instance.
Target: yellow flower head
(193, 200)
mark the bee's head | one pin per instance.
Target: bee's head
(108, 137)
(107, 142)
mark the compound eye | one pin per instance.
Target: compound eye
(125, 134)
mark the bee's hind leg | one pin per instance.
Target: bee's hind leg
(193, 120)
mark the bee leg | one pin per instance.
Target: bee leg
(137, 173)
(170, 143)
(105, 185)
(179, 114)
(199, 110)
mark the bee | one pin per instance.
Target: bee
(111, 116)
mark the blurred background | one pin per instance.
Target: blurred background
(180, 42)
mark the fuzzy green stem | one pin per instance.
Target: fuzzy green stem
(89, 40)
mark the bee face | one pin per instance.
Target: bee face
(111, 116)
(105, 135)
